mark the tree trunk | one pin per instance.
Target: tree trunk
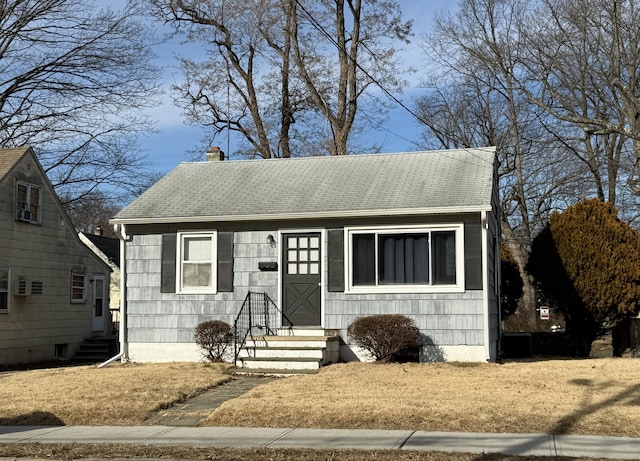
(527, 305)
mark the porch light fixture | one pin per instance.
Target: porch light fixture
(271, 241)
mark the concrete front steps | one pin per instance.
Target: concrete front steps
(95, 350)
(290, 351)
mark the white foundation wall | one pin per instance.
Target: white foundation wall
(461, 353)
(164, 352)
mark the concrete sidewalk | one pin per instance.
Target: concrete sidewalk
(242, 437)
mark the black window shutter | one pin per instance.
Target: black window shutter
(225, 261)
(336, 259)
(168, 269)
(473, 256)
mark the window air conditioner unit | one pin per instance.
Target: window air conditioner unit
(22, 288)
(24, 215)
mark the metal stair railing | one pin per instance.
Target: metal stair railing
(258, 313)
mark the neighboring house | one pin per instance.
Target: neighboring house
(53, 289)
(108, 250)
(329, 239)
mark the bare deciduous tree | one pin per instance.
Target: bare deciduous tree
(92, 211)
(547, 82)
(277, 71)
(583, 68)
(74, 78)
(475, 102)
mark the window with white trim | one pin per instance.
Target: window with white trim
(406, 259)
(78, 288)
(28, 203)
(4, 290)
(196, 262)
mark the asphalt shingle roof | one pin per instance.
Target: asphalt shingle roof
(9, 157)
(375, 184)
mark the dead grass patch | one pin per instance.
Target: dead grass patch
(68, 452)
(115, 395)
(597, 396)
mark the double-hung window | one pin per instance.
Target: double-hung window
(406, 259)
(78, 288)
(28, 203)
(197, 262)
(4, 290)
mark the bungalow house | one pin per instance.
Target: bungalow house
(53, 289)
(306, 246)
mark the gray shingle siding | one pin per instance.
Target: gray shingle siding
(447, 319)
(169, 317)
(442, 317)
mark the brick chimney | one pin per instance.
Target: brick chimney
(214, 154)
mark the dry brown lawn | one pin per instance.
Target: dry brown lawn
(74, 451)
(114, 395)
(596, 396)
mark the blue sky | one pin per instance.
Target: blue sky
(174, 139)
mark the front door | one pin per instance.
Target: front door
(98, 305)
(301, 279)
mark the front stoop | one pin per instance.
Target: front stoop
(291, 351)
(95, 350)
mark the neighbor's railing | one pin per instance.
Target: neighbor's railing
(258, 314)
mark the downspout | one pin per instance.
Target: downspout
(484, 224)
(122, 332)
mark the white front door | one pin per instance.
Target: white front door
(98, 305)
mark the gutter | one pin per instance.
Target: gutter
(401, 212)
(122, 334)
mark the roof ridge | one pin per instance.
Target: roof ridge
(488, 150)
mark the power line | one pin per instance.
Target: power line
(333, 41)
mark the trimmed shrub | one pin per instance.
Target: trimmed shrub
(214, 338)
(384, 336)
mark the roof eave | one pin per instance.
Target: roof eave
(306, 215)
